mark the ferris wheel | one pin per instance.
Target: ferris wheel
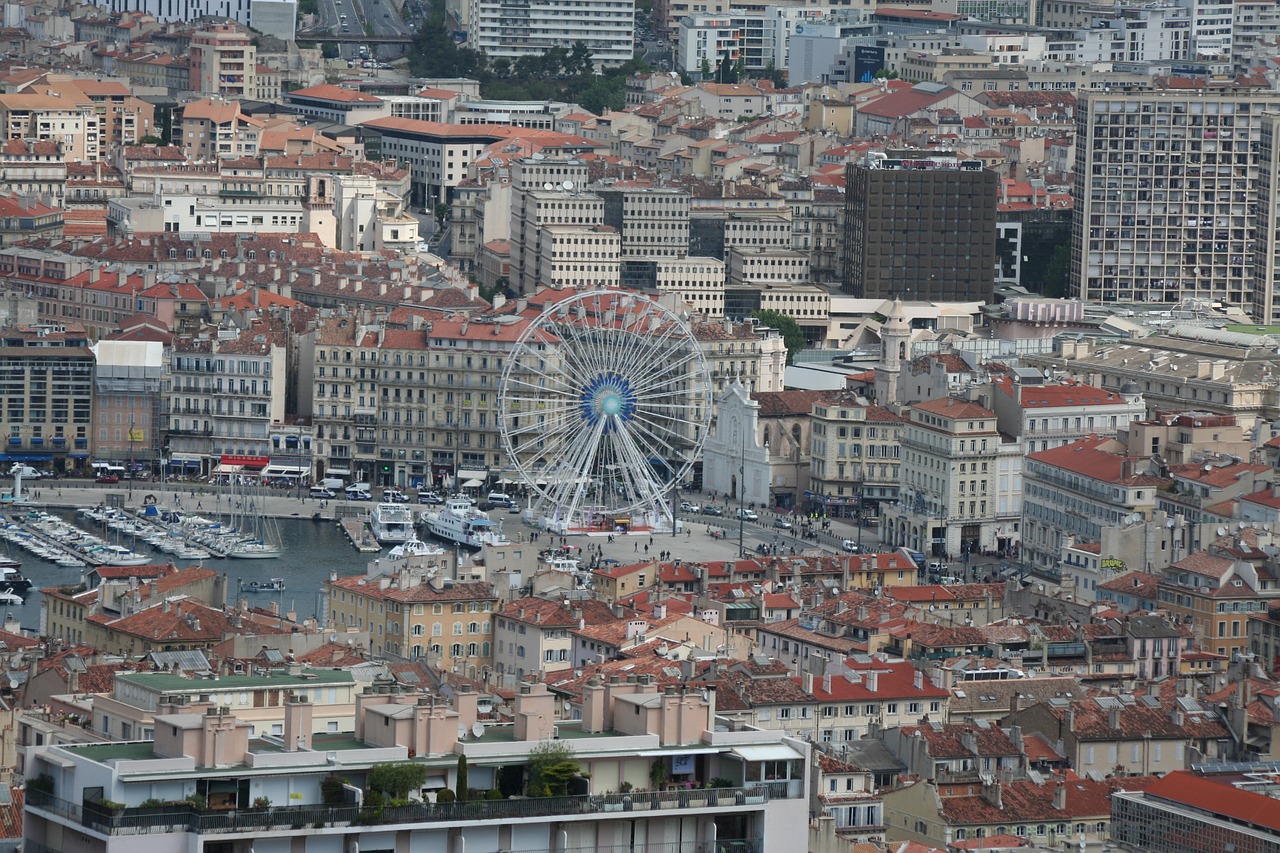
(604, 406)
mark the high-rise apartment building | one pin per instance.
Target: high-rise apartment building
(47, 393)
(921, 225)
(503, 28)
(1167, 181)
(224, 61)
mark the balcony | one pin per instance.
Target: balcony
(157, 819)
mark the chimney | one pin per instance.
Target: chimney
(534, 712)
(873, 680)
(808, 683)
(1113, 718)
(918, 680)
(593, 706)
(1015, 703)
(1060, 796)
(297, 724)
(464, 703)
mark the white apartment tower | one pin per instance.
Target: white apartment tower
(1166, 185)
(514, 28)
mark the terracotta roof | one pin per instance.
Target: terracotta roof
(329, 92)
(1217, 797)
(893, 681)
(553, 614)
(954, 408)
(783, 403)
(1202, 563)
(963, 740)
(1214, 475)
(419, 592)
(1026, 801)
(1142, 584)
(1037, 748)
(1086, 458)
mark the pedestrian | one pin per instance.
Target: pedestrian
(635, 546)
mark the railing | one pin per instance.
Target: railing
(181, 818)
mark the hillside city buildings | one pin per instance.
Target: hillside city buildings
(976, 547)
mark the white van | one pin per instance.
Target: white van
(321, 493)
(333, 484)
(358, 492)
(499, 499)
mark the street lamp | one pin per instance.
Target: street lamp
(742, 495)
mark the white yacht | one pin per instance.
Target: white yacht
(457, 521)
(391, 523)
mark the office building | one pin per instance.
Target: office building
(921, 225)
(1166, 185)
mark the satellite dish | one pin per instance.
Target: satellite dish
(568, 186)
(567, 705)
(547, 185)
(477, 729)
(1222, 531)
(462, 731)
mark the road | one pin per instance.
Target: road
(380, 15)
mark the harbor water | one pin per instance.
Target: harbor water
(312, 549)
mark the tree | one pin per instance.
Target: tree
(501, 67)
(460, 786)
(792, 334)
(397, 780)
(329, 50)
(150, 140)
(441, 212)
(705, 68)
(551, 766)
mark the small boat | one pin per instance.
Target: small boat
(7, 597)
(12, 581)
(415, 547)
(271, 585)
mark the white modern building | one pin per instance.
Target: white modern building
(262, 15)
(207, 783)
(510, 29)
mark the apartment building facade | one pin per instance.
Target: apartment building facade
(856, 457)
(105, 792)
(225, 394)
(47, 394)
(1071, 493)
(1166, 181)
(947, 501)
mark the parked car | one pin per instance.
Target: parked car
(321, 493)
(746, 514)
(689, 506)
(430, 498)
(782, 523)
(850, 546)
(395, 496)
(108, 478)
(712, 509)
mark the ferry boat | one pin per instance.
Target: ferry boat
(457, 521)
(391, 523)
